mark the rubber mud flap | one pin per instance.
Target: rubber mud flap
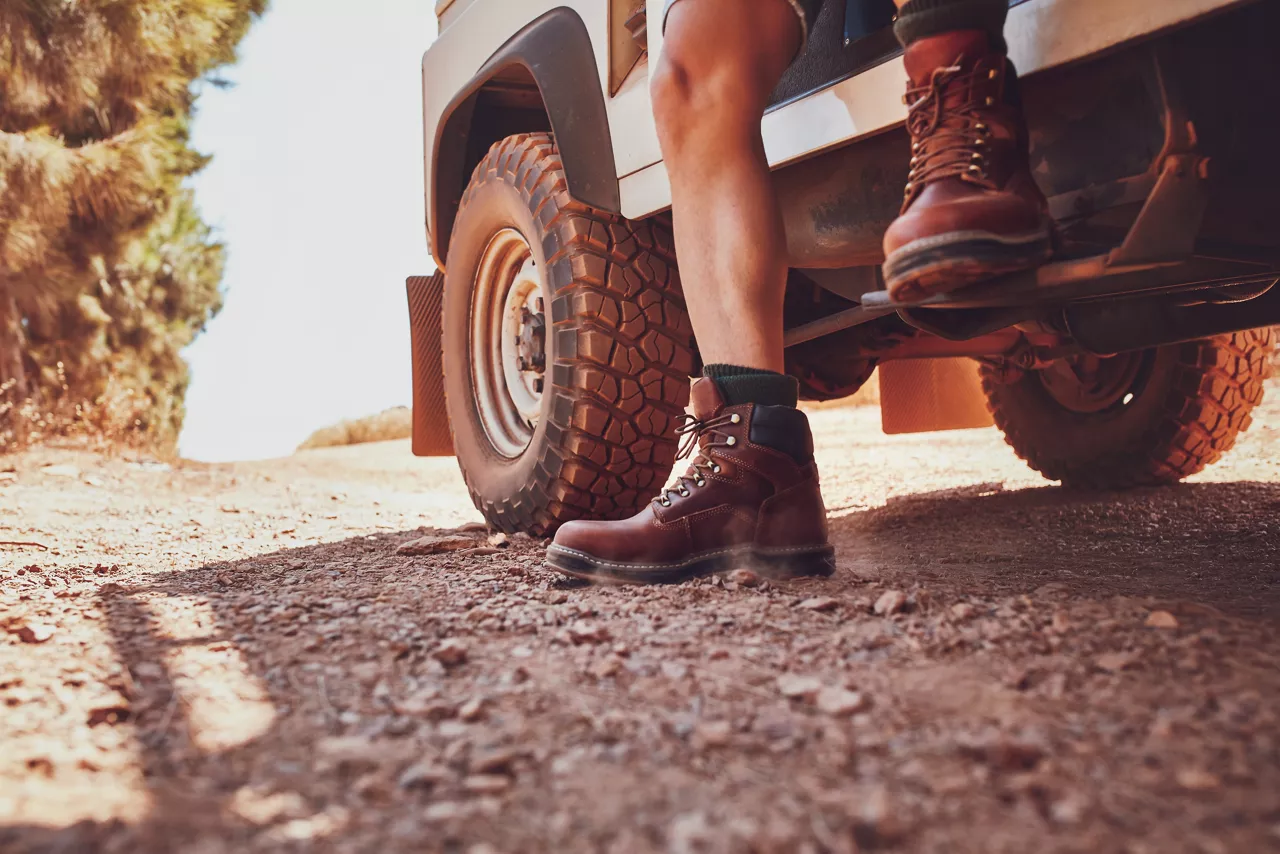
(927, 395)
(430, 420)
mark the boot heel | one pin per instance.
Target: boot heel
(782, 564)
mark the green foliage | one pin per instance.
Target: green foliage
(106, 270)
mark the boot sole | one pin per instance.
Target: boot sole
(947, 262)
(773, 564)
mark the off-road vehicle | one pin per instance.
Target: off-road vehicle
(552, 353)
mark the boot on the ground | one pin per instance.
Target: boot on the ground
(750, 500)
(972, 210)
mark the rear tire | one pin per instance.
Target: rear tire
(584, 425)
(1144, 418)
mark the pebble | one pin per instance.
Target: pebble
(838, 701)
(444, 811)
(482, 551)
(1161, 620)
(798, 687)
(32, 632)
(434, 545)
(472, 710)
(61, 471)
(586, 631)
(890, 603)
(451, 653)
(498, 540)
(743, 578)
(495, 761)
(1114, 662)
(1197, 779)
(487, 784)
(713, 733)
(819, 603)
(962, 610)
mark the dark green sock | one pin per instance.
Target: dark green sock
(919, 19)
(740, 385)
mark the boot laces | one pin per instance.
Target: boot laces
(705, 436)
(949, 137)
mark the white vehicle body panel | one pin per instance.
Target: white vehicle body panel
(1041, 34)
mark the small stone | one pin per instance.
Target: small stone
(962, 611)
(1197, 779)
(487, 784)
(472, 710)
(1161, 620)
(444, 811)
(61, 471)
(841, 702)
(607, 667)
(498, 540)
(521, 652)
(482, 551)
(890, 603)
(496, 761)
(798, 687)
(819, 603)
(1114, 662)
(434, 545)
(712, 733)
(90, 480)
(32, 632)
(451, 653)
(586, 631)
(473, 528)
(743, 578)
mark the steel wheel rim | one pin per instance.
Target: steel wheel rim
(1092, 384)
(508, 343)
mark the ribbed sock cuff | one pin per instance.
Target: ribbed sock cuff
(919, 19)
(739, 385)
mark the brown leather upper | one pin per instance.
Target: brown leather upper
(735, 493)
(970, 169)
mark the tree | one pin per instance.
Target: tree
(106, 269)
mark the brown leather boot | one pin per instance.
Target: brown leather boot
(750, 500)
(972, 210)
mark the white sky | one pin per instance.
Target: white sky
(316, 187)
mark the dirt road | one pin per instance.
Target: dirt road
(236, 659)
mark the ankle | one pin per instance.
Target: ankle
(738, 385)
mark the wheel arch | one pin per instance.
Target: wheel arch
(543, 79)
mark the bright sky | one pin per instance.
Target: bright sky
(316, 187)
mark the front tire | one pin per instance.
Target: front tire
(1149, 417)
(567, 350)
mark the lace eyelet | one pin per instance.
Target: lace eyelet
(991, 75)
(684, 493)
(664, 501)
(715, 469)
(699, 482)
(991, 102)
(735, 419)
(731, 441)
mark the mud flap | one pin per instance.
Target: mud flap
(926, 395)
(431, 437)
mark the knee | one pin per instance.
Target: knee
(691, 95)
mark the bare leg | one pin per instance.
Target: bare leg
(720, 61)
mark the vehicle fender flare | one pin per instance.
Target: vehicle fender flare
(556, 50)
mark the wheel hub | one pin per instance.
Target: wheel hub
(508, 342)
(1091, 384)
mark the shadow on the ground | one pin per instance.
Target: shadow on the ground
(1215, 544)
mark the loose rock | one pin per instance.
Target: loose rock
(819, 603)
(451, 653)
(586, 631)
(1161, 620)
(30, 632)
(434, 545)
(798, 687)
(890, 603)
(841, 702)
(486, 784)
(743, 578)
